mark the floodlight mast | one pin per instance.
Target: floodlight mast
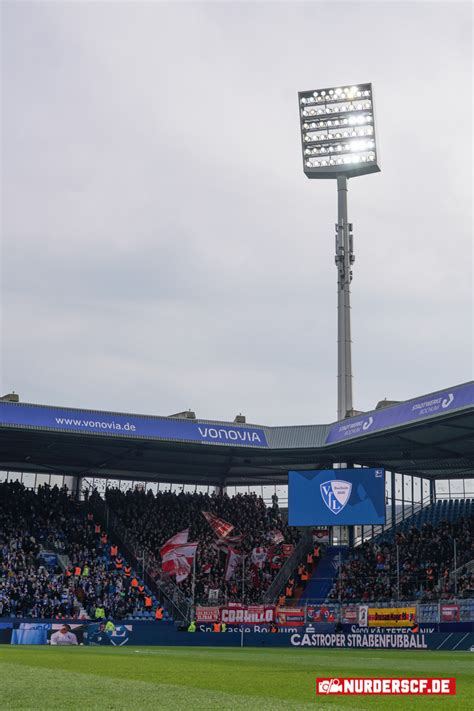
(344, 261)
(330, 120)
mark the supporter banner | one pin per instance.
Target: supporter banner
(208, 614)
(251, 615)
(363, 615)
(320, 613)
(350, 614)
(291, 616)
(321, 535)
(411, 411)
(449, 613)
(107, 423)
(391, 616)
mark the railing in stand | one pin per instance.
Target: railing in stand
(169, 593)
(400, 517)
(301, 549)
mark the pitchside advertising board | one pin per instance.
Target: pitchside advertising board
(335, 497)
(38, 632)
(107, 423)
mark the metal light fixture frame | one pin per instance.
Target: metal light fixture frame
(330, 101)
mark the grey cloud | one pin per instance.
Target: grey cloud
(161, 246)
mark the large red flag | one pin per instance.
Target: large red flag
(234, 560)
(178, 560)
(177, 539)
(220, 527)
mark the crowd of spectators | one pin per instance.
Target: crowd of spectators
(152, 519)
(91, 586)
(97, 583)
(425, 566)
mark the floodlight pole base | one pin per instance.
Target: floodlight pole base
(344, 261)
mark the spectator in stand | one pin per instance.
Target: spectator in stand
(49, 518)
(426, 559)
(153, 519)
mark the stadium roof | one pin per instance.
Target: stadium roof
(431, 435)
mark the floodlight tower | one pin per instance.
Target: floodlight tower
(338, 141)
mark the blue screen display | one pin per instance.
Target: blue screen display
(335, 497)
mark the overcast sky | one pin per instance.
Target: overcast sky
(161, 246)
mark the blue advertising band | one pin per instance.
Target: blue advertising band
(420, 408)
(84, 422)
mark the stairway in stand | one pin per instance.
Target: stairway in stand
(320, 584)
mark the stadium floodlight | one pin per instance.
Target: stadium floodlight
(338, 141)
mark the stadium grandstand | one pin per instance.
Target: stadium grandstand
(89, 500)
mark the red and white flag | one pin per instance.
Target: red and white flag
(276, 537)
(259, 556)
(223, 544)
(234, 561)
(220, 527)
(177, 539)
(178, 560)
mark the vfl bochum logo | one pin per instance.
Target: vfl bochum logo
(335, 494)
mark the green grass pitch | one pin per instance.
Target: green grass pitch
(216, 678)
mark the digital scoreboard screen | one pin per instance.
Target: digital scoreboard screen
(336, 497)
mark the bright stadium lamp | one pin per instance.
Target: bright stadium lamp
(338, 141)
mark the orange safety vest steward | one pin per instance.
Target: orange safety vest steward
(119, 564)
(127, 571)
(148, 601)
(159, 613)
